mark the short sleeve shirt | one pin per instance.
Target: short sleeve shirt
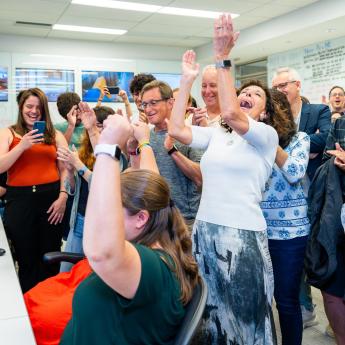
(102, 316)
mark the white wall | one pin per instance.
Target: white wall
(20, 51)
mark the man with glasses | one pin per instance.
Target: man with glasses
(313, 119)
(178, 163)
(337, 102)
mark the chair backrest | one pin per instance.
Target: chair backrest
(193, 316)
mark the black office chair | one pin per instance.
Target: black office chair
(194, 309)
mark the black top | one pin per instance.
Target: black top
(84, 192)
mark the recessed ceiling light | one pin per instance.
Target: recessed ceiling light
(88, 29)
(329, 30)
(136, 6)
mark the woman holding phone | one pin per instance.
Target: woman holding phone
(36, 197)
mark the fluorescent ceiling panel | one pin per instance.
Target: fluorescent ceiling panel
(88, 29)
(135, 6)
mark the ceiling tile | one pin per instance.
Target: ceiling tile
(81, 36)
(175, 21)
(233, 6)
(272, 10)
(165, 30)
(105, 13)
(95, 22)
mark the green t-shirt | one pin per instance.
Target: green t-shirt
(102, 317)
(77, 133)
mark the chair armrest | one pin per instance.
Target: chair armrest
(56, 257)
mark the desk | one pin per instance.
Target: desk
(15, 327)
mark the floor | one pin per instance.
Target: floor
(313, 335)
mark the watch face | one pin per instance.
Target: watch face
(227, 63)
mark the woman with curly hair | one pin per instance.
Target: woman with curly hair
(230, 237)
(285, 207)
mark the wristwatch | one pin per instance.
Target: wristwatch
(223, 64)
(172, 150)
(82, 171)
(113, 151)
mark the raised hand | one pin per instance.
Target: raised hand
(116, 130)
(31, 138)
(199, 116)
(189, 66)
(69, 157)
(141, 132)
(123, 95)
(72, 116)
(87, 116)
(224, 36)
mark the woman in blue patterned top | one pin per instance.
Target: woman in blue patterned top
(285, 208)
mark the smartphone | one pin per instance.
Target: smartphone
(114, 90)
(41, 126)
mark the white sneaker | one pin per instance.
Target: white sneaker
(308, 317)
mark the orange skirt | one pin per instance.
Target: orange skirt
(49, 303)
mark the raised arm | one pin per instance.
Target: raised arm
(224, 39)
(147, 159)
(72, 120)
(177, 127)
(114, 259)
(88, 118)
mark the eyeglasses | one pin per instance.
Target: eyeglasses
(152, 103)
(283, 85)
(340, 94)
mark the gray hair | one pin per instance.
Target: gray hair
(293, 74)
(208, 67)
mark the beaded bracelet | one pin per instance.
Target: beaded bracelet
(141, 145)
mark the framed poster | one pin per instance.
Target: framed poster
(52, 81)
(3, 84)
(173, 80)
(94, 81)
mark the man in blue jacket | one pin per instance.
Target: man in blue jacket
(315, 120)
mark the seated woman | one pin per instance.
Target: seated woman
(284, 205)
(138, 288)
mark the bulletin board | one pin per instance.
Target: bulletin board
(321, 66)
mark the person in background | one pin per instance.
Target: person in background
(189, 101)
(325, 256)
(72, 128)
(122, 94)
(209, 116)
(135, 87)
(337, 102)
(284, 205)
(315, 120)
(36, 196)
(79, 165)
(229, 235)
(178, 163)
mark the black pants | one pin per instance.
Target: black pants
(26, 224)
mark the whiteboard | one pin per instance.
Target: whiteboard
(320, 65)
